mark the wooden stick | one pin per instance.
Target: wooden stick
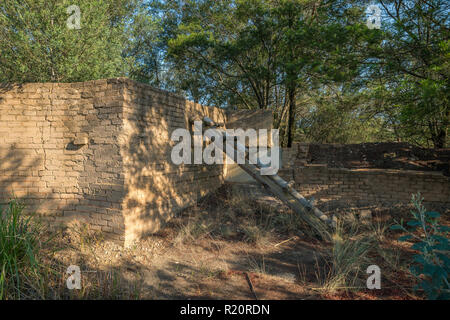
(250, 284)
(278, 244)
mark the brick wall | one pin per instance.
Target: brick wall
(250, 119)
(156, 188)
(98, 151)
(246, 119)
(40, 164)
(341, 187)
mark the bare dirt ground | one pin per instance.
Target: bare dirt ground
(383, 155)
(190, 260)
(228, 247)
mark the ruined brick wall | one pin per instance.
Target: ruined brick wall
(40, 162)
(97, 151)
(156, 188)
(342, 187)
(250, 119)
(246, 119)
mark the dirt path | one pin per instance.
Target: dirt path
(214, 270)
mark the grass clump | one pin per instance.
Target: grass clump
(19, 254)
(197, 227)
(347, 259)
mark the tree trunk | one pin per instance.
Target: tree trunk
(439, 139)
(291, 85)
(291, 120)
(438, 135)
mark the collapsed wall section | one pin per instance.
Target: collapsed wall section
(350, 187)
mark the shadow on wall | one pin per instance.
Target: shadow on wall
(24, 177)
(123, 171)
(145, 184)
(255, 119)
(18, 167)
(18, 174)
(5, 87)
(156, 189)
(41, 165)
(379, 155)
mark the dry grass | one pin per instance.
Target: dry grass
(257, 264)
(341, 267)
(236, 218)
(79, 245)
(348, 258)
(213, 238)
(33, 261)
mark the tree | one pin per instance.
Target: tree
(37, 46)
(413, 66)
(229, 46)
(325, 75)
(258, 53)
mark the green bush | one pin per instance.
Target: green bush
(431, 265)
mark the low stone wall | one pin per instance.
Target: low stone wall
(341, 187)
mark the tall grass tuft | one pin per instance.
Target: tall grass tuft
(348, 258)
(19, 252)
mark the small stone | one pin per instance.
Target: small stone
(365, 216)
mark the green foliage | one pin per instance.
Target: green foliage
(263, 54)
(432, 264)
(144, 47)
(37, 46)
(315, 64)
(411, 69)
(19, 252)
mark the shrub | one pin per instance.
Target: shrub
(19, 251)
(431, 265)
